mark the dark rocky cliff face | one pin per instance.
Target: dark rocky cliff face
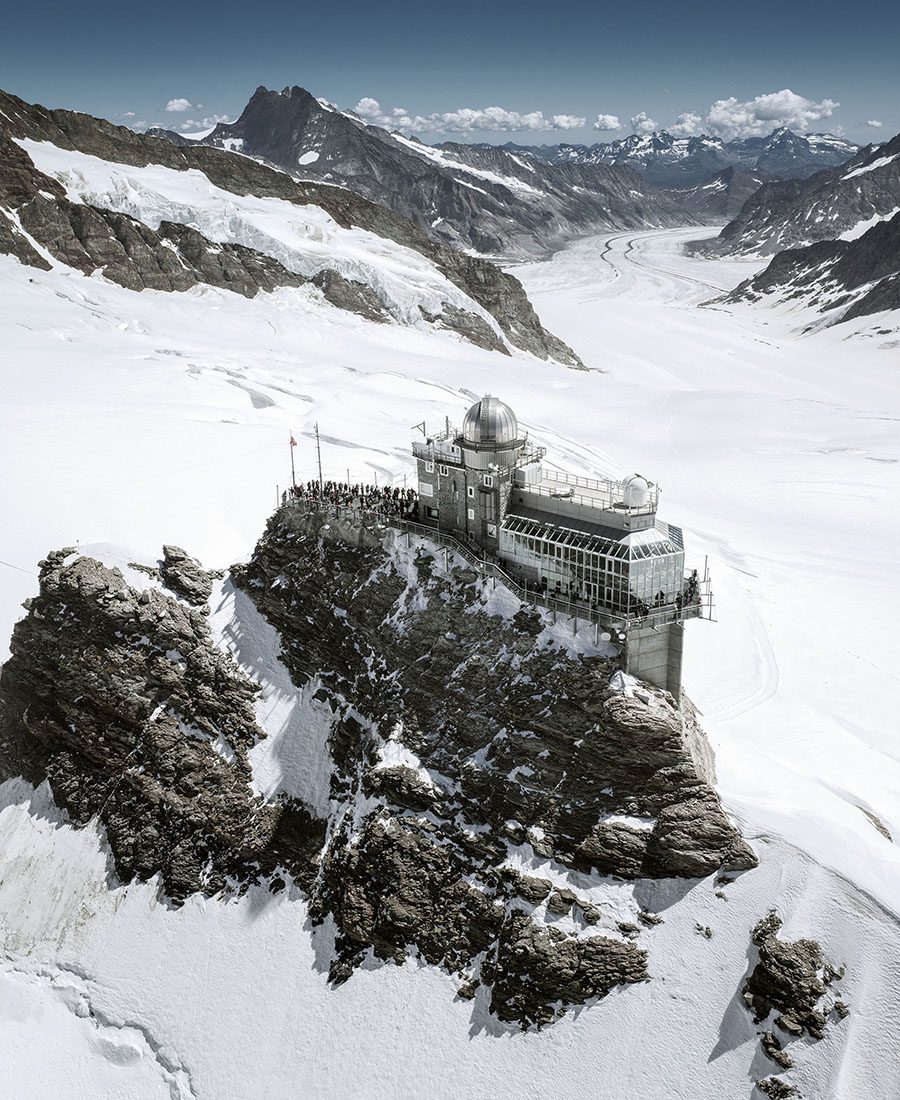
(460, 742)
(176, 256)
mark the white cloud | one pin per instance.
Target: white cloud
(128, 114)
(567, 122)
(687, 125)
(179, 105)
(464, 120)
(202, 123)
(757, 117)
(641, 123)
(607, 122)
(875, 124)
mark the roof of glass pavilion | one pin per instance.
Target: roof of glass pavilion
(654, 542)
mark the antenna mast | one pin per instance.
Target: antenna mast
(319, 456)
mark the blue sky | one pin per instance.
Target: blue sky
(548, 66)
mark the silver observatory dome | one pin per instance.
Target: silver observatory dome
(490, 423)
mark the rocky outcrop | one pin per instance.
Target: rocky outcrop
(792, 979)
(129, 252)
(185, 576)
(463, 744)
(121, 700)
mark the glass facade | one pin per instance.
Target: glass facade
(620, 570)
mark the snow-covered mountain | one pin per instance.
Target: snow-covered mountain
(835, 203)
(683, 162)
(842, 279)
(101, 199)
(486, 199)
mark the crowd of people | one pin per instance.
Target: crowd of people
(388, 500)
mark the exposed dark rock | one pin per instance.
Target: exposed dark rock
(719, 197)
(352, 295)
(561, 902)
(790, 978)
(124, 703)
(442, 751)
(650, 919)
(467, 324)
(771, 1044)
(533, 967)
(532, 889)
(185, 576)
(567, 747)
(775, 1088)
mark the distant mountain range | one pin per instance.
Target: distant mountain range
(486, 199)
(683, 162)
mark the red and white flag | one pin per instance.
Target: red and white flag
(293, 441)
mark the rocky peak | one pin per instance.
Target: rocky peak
(469, 742)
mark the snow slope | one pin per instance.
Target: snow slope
(305, 239)
(142, 418)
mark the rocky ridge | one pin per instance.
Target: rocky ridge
(463, 744)
(843, 280)
(39, 223)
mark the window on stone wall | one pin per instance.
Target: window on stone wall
(470, 490)
(444, 471)
(429, 467)
(471, 512)
(488, 481)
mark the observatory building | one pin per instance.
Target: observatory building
(593, 548)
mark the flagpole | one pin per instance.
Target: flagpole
(293, 474)
(319, 455)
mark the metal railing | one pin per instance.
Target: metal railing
(437, 450)
(605, 495)
(701, 606)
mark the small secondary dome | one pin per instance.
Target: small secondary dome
(491, 422)
(635, 491)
